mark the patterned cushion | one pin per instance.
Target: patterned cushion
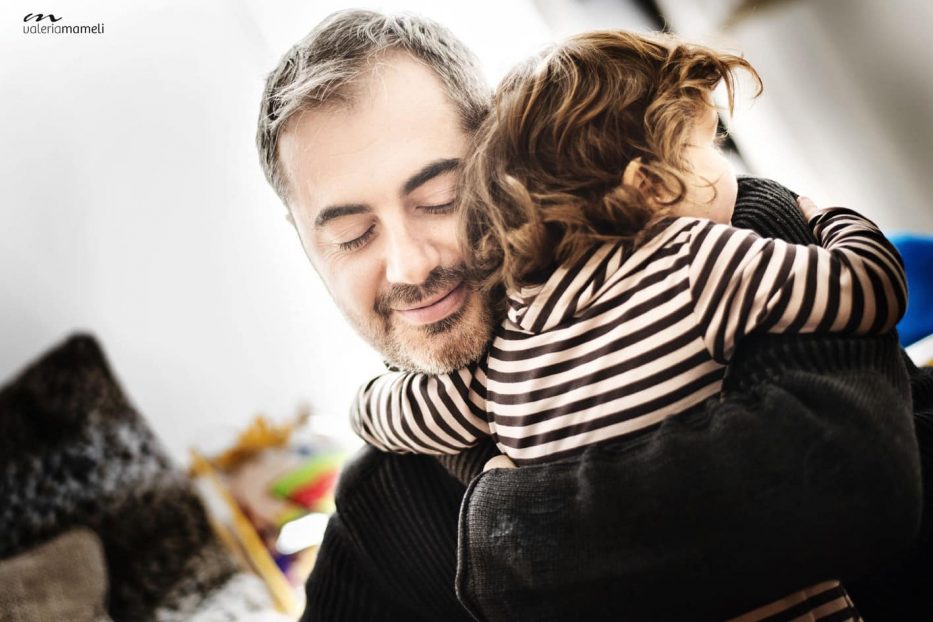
(75, 452)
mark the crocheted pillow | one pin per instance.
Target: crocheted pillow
(74, 452)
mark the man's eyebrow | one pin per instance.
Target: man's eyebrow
(336, 211)
(429, 172)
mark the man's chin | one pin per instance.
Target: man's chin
(443, 346)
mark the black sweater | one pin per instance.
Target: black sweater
(807, 469)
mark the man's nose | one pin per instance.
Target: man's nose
(410, 255)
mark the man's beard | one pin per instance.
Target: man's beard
(437, 348)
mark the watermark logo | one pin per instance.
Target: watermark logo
(39, 17)
(47, 24)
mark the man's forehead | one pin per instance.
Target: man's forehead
(390, 77)
(397, 125)
(329, 162)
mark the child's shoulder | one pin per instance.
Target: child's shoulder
(678, 228)
(695, 225)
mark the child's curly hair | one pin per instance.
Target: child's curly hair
(544, 181)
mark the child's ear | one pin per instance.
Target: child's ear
(634, 175)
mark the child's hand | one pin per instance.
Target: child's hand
(499, 462)
(808, 208)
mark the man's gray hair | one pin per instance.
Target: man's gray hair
(322, 68)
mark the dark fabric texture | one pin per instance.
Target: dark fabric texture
(74, 452)
(389, 552)
(714, 507)
(900, 590)
(807, 469)
(770, 209)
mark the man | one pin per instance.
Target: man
(807, 469)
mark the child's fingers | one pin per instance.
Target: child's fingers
(499, 462)
(807, 207)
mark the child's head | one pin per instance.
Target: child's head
(592, 141)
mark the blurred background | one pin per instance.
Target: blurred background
(133, 207)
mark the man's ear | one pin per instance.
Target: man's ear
(290, 218)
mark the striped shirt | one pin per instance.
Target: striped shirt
(628, 336)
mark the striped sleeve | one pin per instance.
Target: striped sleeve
(409, 412)
(741, 283)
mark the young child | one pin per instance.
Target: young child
(594, 210)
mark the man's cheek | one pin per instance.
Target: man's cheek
(360, 290)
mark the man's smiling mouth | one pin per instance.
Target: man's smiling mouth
(435, 308)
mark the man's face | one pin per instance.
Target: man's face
(373, 187)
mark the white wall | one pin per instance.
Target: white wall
(847, 111)
(132, 206)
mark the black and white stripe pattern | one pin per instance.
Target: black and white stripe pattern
(741, 283)
(624, 338)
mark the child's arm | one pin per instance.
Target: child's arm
(740, 283)
(409, 412)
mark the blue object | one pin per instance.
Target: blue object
(917, 253)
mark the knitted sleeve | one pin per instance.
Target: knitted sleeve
(806, 469)
(742, 283)
(410, 412)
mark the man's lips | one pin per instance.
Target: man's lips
(435, 308)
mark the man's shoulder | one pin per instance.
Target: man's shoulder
(365, 467)
(770, 210)
(372, 473)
